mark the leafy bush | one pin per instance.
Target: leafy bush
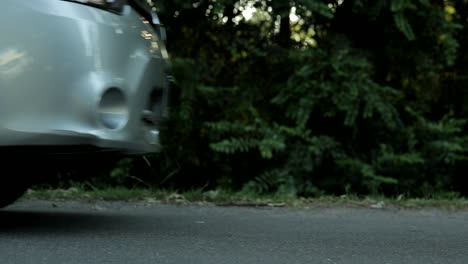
(351, 97)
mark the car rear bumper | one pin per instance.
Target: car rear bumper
(68, 142)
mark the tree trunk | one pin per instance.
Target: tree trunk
(284, 36)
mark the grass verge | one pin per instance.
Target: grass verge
(226, 198)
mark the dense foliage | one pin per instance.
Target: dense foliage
(309, 97)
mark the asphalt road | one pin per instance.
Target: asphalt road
(75, 232)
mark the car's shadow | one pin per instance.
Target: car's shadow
(60, 223)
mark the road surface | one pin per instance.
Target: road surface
(79, 232)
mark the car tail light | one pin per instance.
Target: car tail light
(115, 6)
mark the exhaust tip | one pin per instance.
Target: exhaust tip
(113, 111)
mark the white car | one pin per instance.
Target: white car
(84, 76)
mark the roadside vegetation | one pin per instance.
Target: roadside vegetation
(448, 201)
(311, 99)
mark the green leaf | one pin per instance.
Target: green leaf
(404, 26)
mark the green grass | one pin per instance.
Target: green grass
(226, 198)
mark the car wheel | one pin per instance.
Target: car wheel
(12, 189)
(16, 176)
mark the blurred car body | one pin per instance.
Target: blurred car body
(84, 76)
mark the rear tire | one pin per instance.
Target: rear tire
(16, 176)
(12, 189)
